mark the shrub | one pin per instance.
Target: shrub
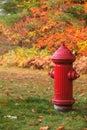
(22, 56)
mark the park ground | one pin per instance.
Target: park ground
(25, 102)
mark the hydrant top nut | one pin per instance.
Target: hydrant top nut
(63, 55)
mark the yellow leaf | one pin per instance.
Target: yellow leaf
(33, 33)
(44, 28)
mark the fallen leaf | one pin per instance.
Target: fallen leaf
(11, 80)
(85, 128)
(39, 120)
(85, 107)
(85, 118)
(45, 128)
(82, 94)
(60, 128)
(8, 93)
(16, 104)
(32, 124)
(19, 98)
(32, 110)
(76, 102)
(40, 117)
(5, 102)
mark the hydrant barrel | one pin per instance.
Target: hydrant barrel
(63, 90)
(63, 75)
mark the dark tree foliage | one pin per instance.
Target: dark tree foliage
(79, 1)
(10, 6)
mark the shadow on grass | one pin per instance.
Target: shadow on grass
(41, 105)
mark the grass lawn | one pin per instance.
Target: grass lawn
(25, 102)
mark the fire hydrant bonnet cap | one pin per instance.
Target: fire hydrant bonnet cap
(63, 54)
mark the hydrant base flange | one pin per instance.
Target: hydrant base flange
(62, 108)
(63, 102)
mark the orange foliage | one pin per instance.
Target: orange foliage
(47, 33)
(70, 36)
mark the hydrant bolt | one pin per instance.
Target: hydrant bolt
(73, 75)
(51, 74)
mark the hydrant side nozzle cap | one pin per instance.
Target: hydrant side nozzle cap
(63, 54)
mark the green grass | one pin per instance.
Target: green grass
(26, 94)
(9, 20)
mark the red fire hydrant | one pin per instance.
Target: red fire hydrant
(63, 75)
